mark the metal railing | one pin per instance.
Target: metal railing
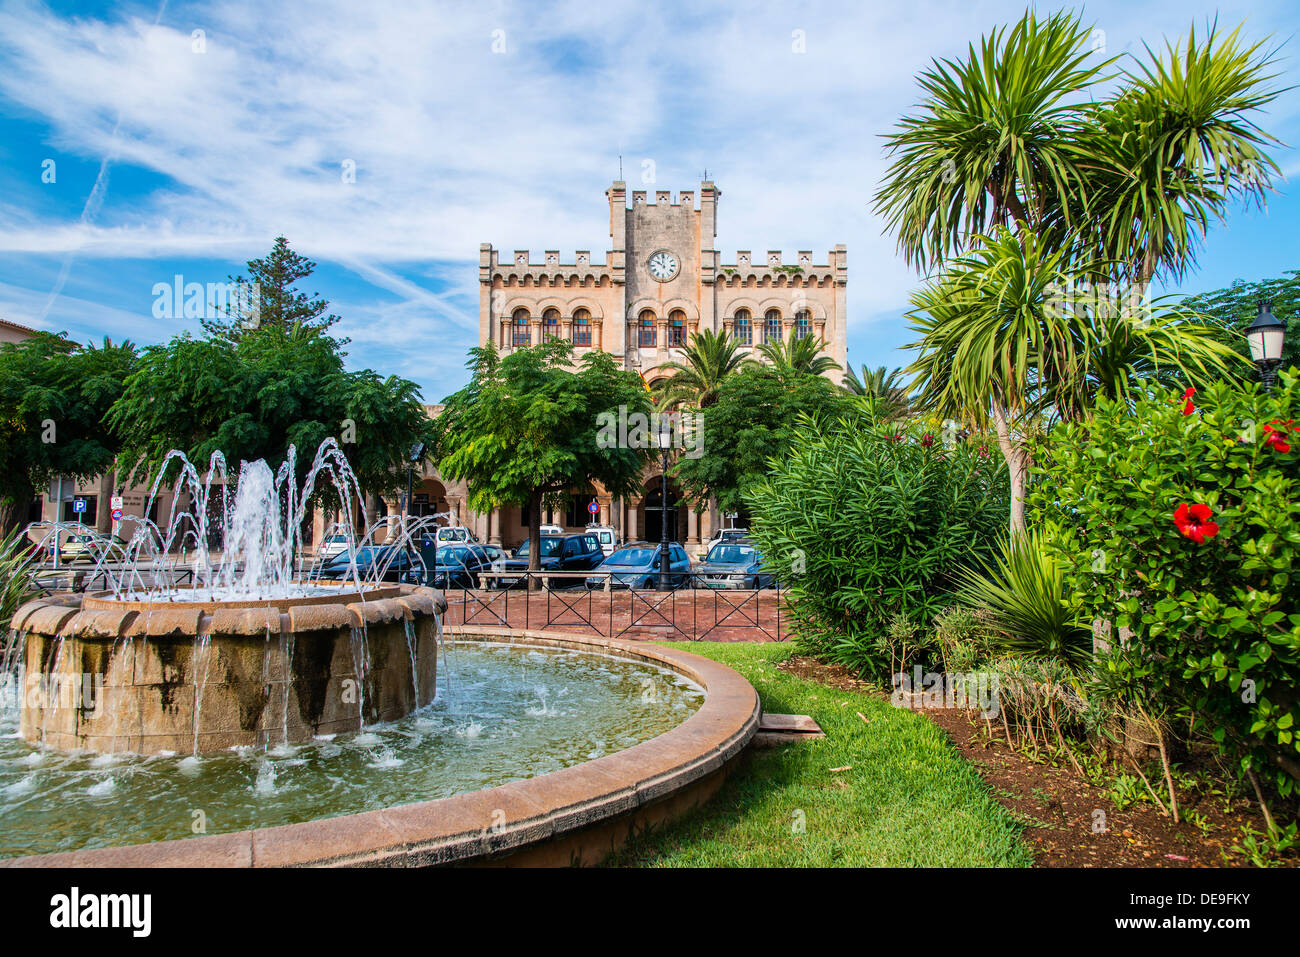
(563, 601)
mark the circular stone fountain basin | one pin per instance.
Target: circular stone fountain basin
(149, 677)
(575, 814)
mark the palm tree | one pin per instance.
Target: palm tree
(708, 359)
(1171, 150)
(991, 144)
(883, 384)
(799, 355)
(1000, 348)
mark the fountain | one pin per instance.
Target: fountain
(251, 651)
(248, 707)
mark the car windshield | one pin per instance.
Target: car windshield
(607, 538)
(632, 556)
(731, 554)
(453, 556)
(368, 554)
(337, 540)
(549, 547)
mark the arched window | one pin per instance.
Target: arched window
(772, 326)
(550, 324)
(581, 327)
(520, 334)
(803, 323)
(744, 328)
(646, 337)
(676, 328)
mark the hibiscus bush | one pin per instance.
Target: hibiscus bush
(867, 522)
(1179, 526)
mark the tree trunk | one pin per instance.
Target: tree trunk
(1017, 459)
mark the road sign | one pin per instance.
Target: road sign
(79, 505)
(116, 504)
(117, 515)
(594, 507)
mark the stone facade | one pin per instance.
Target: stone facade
(661, 280)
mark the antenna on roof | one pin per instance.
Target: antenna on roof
(620, 166)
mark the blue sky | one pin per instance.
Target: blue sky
(497, 122)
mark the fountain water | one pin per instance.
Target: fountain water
(238, 643)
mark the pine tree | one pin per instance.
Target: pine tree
(278, 302)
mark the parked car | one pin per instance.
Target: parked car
(383, 562)
(552, 530)
(82, 545)
(607, 537)
(723, 535)
(332, 546)
(456, 533)
(733, 565)
(459, 566)
(637, 566)
(560, 553)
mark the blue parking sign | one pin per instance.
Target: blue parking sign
(78, 505)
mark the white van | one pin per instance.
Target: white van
(607, 537)
(448, 534)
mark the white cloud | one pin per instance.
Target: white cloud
(456, 145)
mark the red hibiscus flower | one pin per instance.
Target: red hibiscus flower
(1194, 521)
(927, 440)
(1188, 409)
(1276, 437)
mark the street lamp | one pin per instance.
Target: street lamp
(1266, 335)
(663, 438)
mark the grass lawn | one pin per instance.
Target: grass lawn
(907, 799)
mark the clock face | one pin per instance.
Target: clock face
(663, 265)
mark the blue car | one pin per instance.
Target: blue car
(733, 565)
(637, 566)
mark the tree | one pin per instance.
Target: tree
(753, 420)
(885, 386)
(253, 396)
(54, 400)
(1025, 134)
(999, 346)
(527, 429)
(708, 359)
(1235, 308)
(799, 355)
(278, 302)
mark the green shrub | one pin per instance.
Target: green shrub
(864, 521)
(1023, 591)
(1208, 612)
(961, 635)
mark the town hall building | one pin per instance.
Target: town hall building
(661, 281)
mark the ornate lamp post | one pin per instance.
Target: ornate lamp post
(1266, 336)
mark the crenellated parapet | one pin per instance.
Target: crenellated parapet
(771, 271)
(520, 268)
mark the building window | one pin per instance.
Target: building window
(581, 327)
(646, 338)
(744, 329)
(772, 326)
(803, 323)
(677, 328)
(520, 335)
(550, 324)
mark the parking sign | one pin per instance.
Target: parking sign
(78, 505)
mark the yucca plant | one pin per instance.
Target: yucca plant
(1023, 590)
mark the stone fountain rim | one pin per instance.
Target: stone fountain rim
(495, 821)
(105, 599)
(68, 615)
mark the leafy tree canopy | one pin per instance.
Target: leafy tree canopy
(526, 429)
(253, 396)
(53, 401)
(754, 419)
